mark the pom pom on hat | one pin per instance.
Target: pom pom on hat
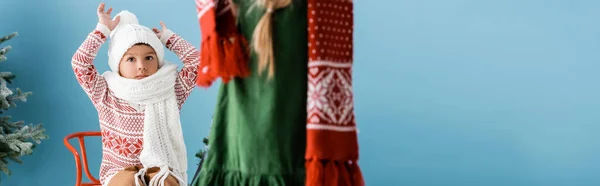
(127, 18)
(128, 33)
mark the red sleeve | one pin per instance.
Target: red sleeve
(190, 57)
(88, 77)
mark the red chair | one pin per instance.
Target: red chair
(78, 161)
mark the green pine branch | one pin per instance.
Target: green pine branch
(7, 76)
(5, 50)
(202, 152)
(8, 37)
(16, 138)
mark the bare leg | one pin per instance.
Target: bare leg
(124, 178)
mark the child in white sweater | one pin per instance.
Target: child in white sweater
(138, 100)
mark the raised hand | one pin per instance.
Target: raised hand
(160, 32)
(105, 19)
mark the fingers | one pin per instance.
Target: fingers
(157, 32)
(101, 8)
(117, 19)
(164, 27)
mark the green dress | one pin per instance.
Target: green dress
(258, 135)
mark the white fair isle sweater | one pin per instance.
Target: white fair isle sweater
(122, 123)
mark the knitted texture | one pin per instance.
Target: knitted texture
(332, 145)
(122, 121)
(164, 146)
(225, 52)
(128, 33)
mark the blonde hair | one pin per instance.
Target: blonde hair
(262, 38)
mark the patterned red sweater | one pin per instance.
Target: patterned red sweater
(122, 123)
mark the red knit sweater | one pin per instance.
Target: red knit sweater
(122, 123)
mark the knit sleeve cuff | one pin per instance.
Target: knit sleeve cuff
(166, 35)
(103, 28)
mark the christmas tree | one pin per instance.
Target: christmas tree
(16, 138)
(201, 154)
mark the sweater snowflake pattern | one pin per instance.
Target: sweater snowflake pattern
(121, 123)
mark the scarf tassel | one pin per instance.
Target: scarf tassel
(225, 51)
(209, 61)
(333, 173)
(236, 57)
(139, 177)
(158, 179)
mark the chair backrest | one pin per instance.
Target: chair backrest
(81, 158)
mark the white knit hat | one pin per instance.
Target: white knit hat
(128, 33)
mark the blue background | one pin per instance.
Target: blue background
(449, 93)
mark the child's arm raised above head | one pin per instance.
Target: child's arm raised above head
(82, 62)
(189, 56)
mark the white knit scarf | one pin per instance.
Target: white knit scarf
(163, 145)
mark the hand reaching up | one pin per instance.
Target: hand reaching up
(159, 33)
(104, 17)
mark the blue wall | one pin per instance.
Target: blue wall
(461, 92)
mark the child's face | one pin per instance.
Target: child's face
(138, 62)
